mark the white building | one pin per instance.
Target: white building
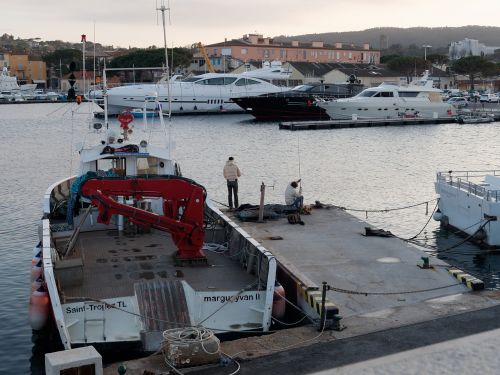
(469, 47)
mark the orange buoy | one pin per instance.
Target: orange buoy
(279, 303)
(39, 308)
(36, 270)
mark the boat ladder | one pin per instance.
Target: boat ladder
(94, 307)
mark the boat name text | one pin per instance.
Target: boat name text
(233, 298)
(95, 307)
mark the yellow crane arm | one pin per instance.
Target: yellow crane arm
(203, 51)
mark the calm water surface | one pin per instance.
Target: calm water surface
(371, 168)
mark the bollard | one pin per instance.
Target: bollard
(323, 312)
(261, 207)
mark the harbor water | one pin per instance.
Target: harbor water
(364, 169)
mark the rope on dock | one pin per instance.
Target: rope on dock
(347, 291)
(384, 209)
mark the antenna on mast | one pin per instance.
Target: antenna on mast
(162, 9)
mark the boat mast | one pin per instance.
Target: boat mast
(162, 9)
(84, 39)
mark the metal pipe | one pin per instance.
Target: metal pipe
(261, 206)
(323, 312)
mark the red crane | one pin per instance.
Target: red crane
(183, 203)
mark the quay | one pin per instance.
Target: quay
(381, 294)
(362, 123)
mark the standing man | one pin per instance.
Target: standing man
(294, 197)
(231, 174)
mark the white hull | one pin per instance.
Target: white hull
(467, 200)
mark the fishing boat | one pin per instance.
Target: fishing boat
(130, 248)
(418, 99)
(470, 202)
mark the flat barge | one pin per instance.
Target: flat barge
(362, 123)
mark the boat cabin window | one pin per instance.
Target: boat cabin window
(147, 166)
(217, 81)
(384, 94)
(111, 163)
(408, 94)
(246, 81)
(366, 94)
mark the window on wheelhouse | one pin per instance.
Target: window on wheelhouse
(367, 94)
(246, 82)
(112, 164)
(408, 94)
(384, 94)
(217, 81)
(147, 166)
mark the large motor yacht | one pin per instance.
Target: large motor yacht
(417, 99)
(210, 92)
(298, 103)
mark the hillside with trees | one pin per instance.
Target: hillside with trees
(391, 38)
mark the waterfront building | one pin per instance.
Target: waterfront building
(256, 47)
(27, 69)
(469, 47)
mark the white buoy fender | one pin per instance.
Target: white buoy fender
(438, 215)
(279, 303)
(39, 308)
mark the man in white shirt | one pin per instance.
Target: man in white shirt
(231, 173)
(294, 197)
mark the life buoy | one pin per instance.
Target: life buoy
(279, 303)
(39, 308)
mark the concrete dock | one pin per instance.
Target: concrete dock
(332, 247)
(387, 301)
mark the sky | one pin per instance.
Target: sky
(135, 23)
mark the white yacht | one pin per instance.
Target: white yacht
(418, 99)
(210, 92)
(470, 201)
(8, 83)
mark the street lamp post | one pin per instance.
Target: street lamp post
(425, 46)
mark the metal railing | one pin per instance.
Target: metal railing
(463, 180)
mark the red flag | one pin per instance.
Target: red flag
(84, 38)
